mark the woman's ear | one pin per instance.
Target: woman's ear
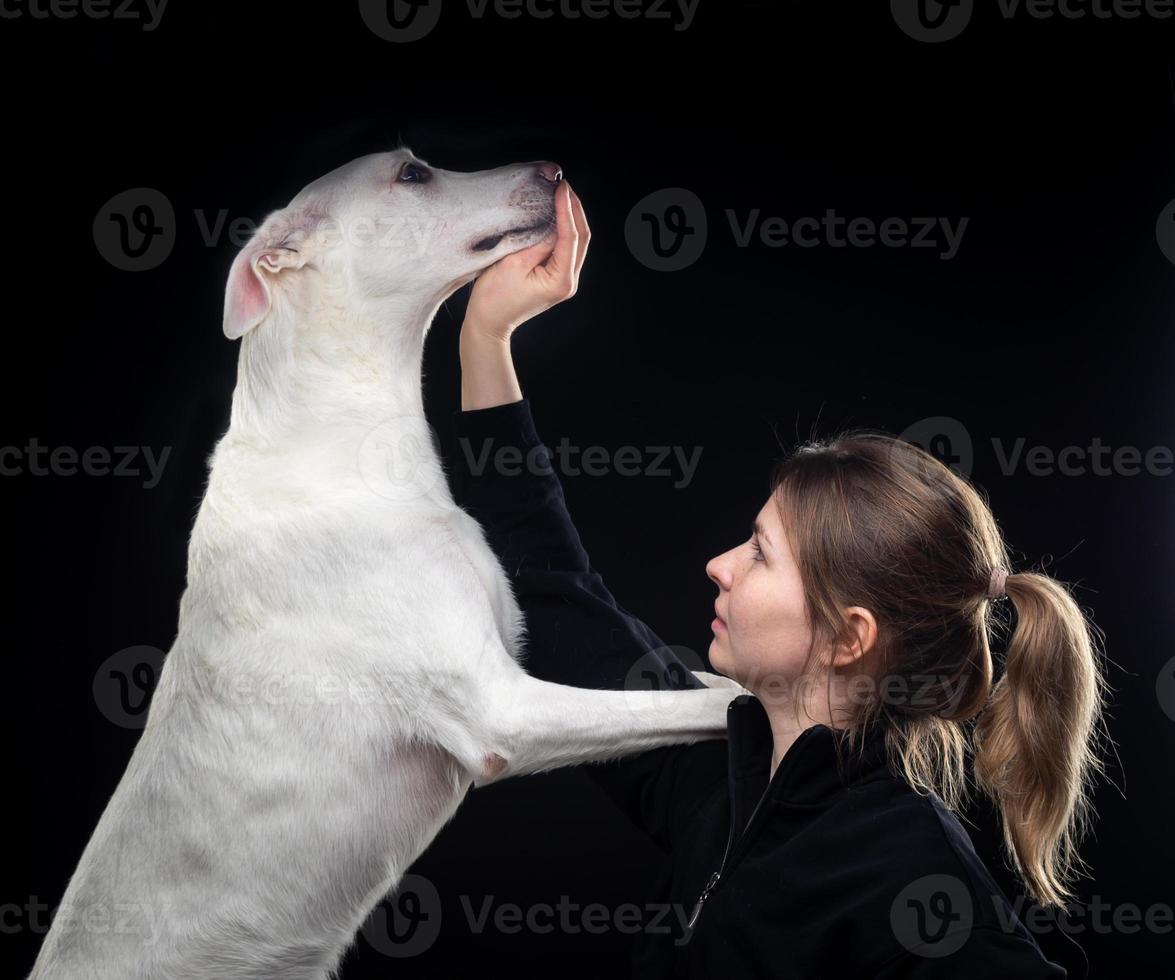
(859, 637)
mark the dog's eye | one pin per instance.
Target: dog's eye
(412, 173)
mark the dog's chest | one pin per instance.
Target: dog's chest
(507, 614)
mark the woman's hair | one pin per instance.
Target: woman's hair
(878, 522)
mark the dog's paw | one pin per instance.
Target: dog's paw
(711, 679)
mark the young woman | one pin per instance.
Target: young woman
(819, 839)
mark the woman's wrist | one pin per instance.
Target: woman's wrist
(488, 378)
(482, 330)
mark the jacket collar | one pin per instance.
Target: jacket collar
(808, 772)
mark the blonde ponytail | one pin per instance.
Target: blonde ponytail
(1036, 740)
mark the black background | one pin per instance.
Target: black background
(1052, 324)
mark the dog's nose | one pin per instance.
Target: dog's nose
(550, 171)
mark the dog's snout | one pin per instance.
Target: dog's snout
(550, 171)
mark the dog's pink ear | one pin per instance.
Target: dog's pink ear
(247, 299)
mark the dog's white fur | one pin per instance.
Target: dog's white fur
(347, 661)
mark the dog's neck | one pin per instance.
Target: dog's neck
(335, 395)
(328, 370)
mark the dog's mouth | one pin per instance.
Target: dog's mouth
(490, 242)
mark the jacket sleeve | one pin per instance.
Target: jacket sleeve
(577, 634)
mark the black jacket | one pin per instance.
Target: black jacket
(811, 876)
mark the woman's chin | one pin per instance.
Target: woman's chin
(718, 657)
(722, 662)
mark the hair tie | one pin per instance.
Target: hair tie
(999, 578)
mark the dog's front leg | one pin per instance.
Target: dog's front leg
(527, 726)
(466, 693)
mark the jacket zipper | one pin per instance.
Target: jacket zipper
(714, 878)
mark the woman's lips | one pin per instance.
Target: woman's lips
(718, 625)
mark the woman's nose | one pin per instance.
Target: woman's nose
(716, 570)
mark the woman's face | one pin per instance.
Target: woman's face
(761, 635)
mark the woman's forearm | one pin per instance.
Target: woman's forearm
(514, 289)
(487, 370)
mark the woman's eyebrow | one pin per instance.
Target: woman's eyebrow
(757, 529)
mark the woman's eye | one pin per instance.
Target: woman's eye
(412, 173)
(756, 552)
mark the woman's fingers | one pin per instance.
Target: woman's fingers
(533, 255)
(560, 267)
(585, 234)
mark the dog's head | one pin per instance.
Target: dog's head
(387, 227)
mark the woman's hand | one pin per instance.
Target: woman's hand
(525, 283)
(509, 293)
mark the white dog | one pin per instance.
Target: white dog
(347, 660)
